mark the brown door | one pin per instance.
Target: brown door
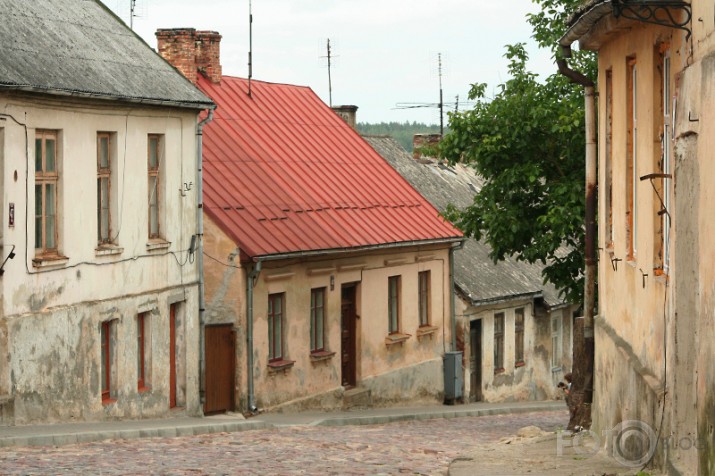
(220, 368)
(475, 361)
(348, 353)
(172, 356)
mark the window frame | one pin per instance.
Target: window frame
(394, 291)
(107, 361)
(317, 332)
(153, 174)
(275, 333)
(143, 340)
(556, 341)
(424, 291)
(519, 336)
(499, 320)
(632, 158)
(46, 178)
(104, 175)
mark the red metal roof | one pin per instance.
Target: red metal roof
(283, 174)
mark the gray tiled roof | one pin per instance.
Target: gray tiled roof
(79, 47)
(476, 275)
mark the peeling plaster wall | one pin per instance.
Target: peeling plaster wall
(409, 371)
(646, 327)
(50, 316)
(537, 378)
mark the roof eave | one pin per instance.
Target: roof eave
(354, 249)
(103, 96)
(583, 21)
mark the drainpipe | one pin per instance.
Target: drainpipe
(452, 294)
(586, 360)
(200, 261)
(249, 334)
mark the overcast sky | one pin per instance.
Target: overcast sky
(385, 50)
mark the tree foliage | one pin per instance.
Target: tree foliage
(528, 144)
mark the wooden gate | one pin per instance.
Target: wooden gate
(348, 342)
(220, 368)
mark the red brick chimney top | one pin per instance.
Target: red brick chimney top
(191, 52)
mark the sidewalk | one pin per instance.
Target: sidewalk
(547, 455)
(70, 433)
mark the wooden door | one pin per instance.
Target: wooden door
(172, 356)
(220, 347)
(348, 352)
(475, 360)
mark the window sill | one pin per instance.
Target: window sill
(500, 370)
(396, 338)
(426, 330)
(157, 244)
(277, 365)
(50, 261)
(520, 363)
(321, 355)
(108, 250)
(108, 401)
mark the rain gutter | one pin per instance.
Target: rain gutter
(333, 251)
(579, 27)
(200, 260)
(453, 294)
(252, 276)
(105, 96)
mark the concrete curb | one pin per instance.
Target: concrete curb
(68, 434)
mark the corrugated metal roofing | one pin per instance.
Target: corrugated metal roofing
(476, 275)
(284, 174)
(71, 47)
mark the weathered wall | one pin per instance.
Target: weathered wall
(50, 317)
(537, 378)
(648, 323)
(402, 372)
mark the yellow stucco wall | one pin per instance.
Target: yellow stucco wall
(402, 372)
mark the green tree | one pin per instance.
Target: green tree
(528, 144)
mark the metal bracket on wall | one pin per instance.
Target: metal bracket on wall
(665, 13)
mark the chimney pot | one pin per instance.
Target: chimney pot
(348, 114)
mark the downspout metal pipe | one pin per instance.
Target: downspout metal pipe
(200, 251)
(452, 294)
(249, 334)
(590, 221)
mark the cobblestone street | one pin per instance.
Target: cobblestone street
(419, 447)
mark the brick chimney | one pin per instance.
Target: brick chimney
(348, 114)
(191, 51)
(421, 143)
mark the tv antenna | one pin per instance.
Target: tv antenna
(330, 81)
(441, 104)
(132, 13)
(250, 46)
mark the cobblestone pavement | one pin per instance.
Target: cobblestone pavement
(418, 447)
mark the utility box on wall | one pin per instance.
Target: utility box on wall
(453, 380)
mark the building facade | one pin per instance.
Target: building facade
(515, 332)
(99, 291)
(327, 274)
(654, 333)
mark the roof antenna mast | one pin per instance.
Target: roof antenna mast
(132, 14)
(330, 81)
(441, 103)
(250, 46)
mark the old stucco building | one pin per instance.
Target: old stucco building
(654, 337)
(327, 274)
(515, 332)
(98, 288)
